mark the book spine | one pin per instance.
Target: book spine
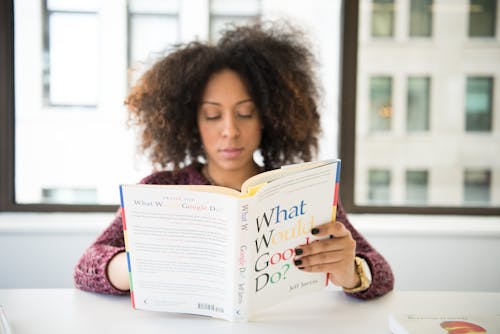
(336, 192)
(127, 250)
(335, 201)
(242, 265)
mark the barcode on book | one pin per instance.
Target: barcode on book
(210, 307)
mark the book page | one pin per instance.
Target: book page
(402, 323)
(274, 174)
(285, 211)
(180, 248)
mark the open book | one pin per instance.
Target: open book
(442, 324)
(218, 252)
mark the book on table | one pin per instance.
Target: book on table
(443, 323)
(219, 252)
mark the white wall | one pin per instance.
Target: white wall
(426, 253)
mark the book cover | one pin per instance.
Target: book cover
(218, 252)
(444, 324)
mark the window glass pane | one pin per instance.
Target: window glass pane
(69, 195)
(153, 29)
(482, 18)
(379, 186)
(477, 187)
(416, 187)
(418, 104)
(73, 59)
(478, 105)
(164, 29)
(232, 12)
(383, 18)
(232, 7)
(73, 5)
(421, 18)
(380, 103)
(425, 103)
(154, 6)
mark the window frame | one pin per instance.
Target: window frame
(347, 136)
(7, 128)
(347, 120)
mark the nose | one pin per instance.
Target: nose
(230, 127)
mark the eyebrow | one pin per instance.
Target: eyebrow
(218, 104)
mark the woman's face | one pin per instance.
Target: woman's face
(229, 123)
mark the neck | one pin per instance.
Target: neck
(229, 178)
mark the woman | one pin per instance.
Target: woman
(205, 110)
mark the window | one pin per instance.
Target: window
(414, 115)
(482, 18)
(421, 18)
(70, 81)
(383, 18)
(478, 104)
(380, 103)
(69, 195)
(70, 57)
(477, 185)
(224, 12)
(418, 102)
(416, 187)
(379, 190)
(158, 18)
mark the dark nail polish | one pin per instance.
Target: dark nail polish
(299, 251)
(298, 262)
(315, 230)
(301, 268)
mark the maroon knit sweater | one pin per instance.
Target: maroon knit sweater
(90, 271)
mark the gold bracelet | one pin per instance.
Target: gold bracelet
(363, 277)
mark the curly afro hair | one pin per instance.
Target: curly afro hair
(276, 65)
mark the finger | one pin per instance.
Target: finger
(324, 246)
(337, 229)
(321, 258)
(346, 243)
(324, 267)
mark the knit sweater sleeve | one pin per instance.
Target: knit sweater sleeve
(91, 270)
(382, 277)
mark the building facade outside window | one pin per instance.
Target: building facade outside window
(71, 81)
(442, 96)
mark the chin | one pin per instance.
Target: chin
(234, 164)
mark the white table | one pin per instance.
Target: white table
(52, 311)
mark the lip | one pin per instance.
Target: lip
(231, 152)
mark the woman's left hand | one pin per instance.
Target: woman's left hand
(333, 255)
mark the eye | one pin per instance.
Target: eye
(212, 118)
(211, 114)
(247, 112)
